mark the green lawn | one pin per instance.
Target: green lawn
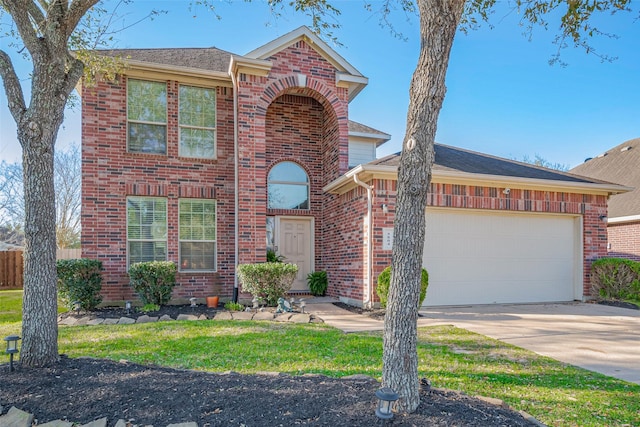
(453, 358)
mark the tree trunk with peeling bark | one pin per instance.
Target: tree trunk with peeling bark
(45, 29)
(439, 21)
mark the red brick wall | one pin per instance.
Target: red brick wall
(110, 174)
(591, 207)
(624, 240)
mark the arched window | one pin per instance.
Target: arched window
(288, 187)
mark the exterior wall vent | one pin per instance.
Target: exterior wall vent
(627, 148)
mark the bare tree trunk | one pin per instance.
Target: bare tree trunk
(439, 20)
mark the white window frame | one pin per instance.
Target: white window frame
(292, 183)
(214, 129)
(165, 123)
(157, 240)
(215, 241)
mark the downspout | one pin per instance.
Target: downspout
(368, 300)
(236, 222)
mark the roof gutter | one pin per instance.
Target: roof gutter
(623, 219)
(236, 239)
(367, 301)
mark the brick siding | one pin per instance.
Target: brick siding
(624, 240)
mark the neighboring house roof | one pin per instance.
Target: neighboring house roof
(9, 247)
(621, 164)
(358, 130)
(220, 63)
(457, 165)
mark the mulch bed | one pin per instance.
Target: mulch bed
(82, 390)
(620, 304)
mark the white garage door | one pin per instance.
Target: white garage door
(478, 257)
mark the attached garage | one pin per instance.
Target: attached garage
(476, 257)
(497, 231)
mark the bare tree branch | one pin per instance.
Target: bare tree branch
(77, 10)
(12, 88)
(20, 13)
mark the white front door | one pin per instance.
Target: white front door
(296, 246)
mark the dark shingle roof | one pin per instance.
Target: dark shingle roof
(209, 58)
(456, 159)
(621, 165)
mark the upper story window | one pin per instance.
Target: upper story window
(146, 229)
(146, 116)
(197, 122)
(288, 187)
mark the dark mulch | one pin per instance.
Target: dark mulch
(620, 304)
(134, 312)
(82, 390)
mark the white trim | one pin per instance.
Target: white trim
(621, 219)
(369, 171)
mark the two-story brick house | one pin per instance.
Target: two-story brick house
(207, 158)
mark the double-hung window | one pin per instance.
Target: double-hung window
(147, 116)
(197, 122)
(146, 229)
(197, 230)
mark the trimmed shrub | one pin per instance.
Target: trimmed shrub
(318, 282)
(615, 279)
(269, 280)
(80, 280)
(153, 281)
(384, 281)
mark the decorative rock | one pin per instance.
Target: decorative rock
(56, 423)
(203, 317)
(121, 423)
(187, 317)
(263, 315)
(69, 321)
(187, 424)
(284, 317)
(242, 315)
(146, 319)
(126, 321)
(102, 422)
(493, 401)
(84, 320)
(109, 321)
(165, 318)
(16, 418)
(223, 315)
(96, 321)
(300, 318)
(315, 319)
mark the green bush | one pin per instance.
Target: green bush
(269, 280)
(80, 280)
(234, 306)
(272, 256)
(153, 281)
(384, 280)
(317, 282)
(615, 279)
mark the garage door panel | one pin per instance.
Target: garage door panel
(483, 258)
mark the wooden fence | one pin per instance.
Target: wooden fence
(11, 270)
(11, 266)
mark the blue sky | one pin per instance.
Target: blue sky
(503, 97)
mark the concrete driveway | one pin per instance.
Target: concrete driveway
(595, 337)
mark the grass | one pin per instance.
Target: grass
(553, 392)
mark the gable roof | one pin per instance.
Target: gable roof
(358, 130)
(621, 164)
(457, 165)
(346, 76)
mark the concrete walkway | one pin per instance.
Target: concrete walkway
(596, 337)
